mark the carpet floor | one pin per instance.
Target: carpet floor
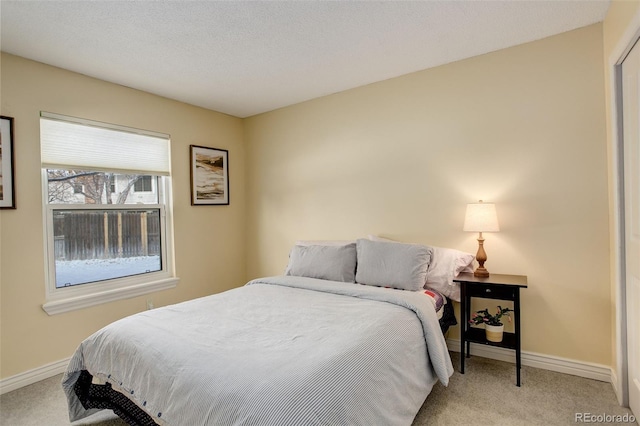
(485, 395)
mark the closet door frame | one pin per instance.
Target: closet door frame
(620, 372)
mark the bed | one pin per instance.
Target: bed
(286, 350)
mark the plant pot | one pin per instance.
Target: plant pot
(494, 332)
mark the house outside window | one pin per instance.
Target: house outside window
(106, 192)
(143, 184)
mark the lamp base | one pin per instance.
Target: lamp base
(481, 272)
(481, 257)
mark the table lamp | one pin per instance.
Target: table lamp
(481, 217)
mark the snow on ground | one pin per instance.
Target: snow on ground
(73, 272)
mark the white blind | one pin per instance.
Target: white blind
(71, 143)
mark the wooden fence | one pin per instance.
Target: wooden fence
(106, 234)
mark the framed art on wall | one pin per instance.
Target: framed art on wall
(209, 176)
(7, 186)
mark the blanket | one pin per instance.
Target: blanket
(280, 350)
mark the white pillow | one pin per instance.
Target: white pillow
(324, 242)
(334, 263)
(390, 264)
(446, 264)
(376, 238)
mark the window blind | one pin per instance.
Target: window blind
(72, 143)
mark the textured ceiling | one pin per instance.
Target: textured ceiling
(247, 57)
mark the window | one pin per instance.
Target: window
(143, 184)
(97, 244)
(107, 216)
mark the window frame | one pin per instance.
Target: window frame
(64, 299)
(69, 298)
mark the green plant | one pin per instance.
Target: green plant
(484, 317)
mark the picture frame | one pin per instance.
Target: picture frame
(209, 176)
(7, 173)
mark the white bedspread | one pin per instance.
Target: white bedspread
(280, 350)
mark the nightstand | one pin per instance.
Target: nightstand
(495, 286)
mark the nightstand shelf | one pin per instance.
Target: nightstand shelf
(495, 286)
(477, 335)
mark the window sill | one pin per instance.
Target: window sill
(79, 302)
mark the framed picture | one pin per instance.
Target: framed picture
(7, 187)
(209, 176)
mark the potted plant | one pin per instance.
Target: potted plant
(492, 323)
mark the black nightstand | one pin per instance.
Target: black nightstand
(495, 286)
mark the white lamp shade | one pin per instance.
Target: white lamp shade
(481, 217)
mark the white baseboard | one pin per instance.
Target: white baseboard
(617, 388)
(32, 376)
(545, 362)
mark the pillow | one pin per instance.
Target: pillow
(397, 265)
(436, 296)
(376, 238)
(446, 264)
(324, 242)
(334, 263)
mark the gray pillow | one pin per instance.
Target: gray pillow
(395, 265)
(335, 263)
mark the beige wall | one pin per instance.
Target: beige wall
(616, 28)
(522, 127)
(209, 240)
